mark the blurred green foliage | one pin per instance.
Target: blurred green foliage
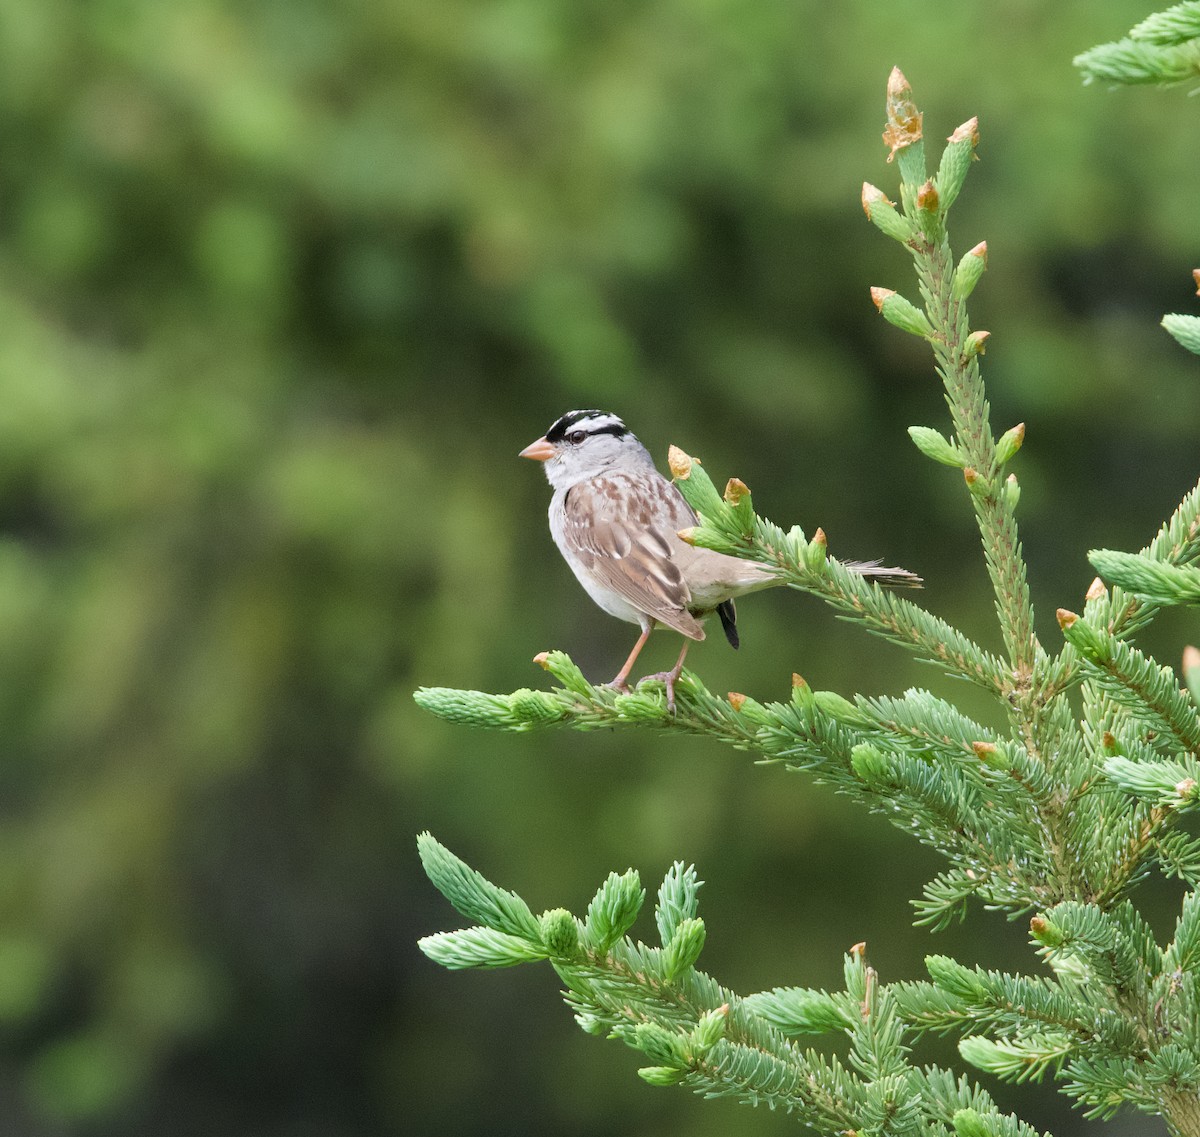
(284, 286)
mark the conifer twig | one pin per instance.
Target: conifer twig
(1058, 815)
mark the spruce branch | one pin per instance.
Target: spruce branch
(1058, 813)
(1178, 855)
(694, 1032)
(1151, 581)
(1136, 682)
(1185, 330)
(1177, 543)
(1133, 61)
(928, 779)
(944, 286)
(1162, 48)
(805, 565)
(1176, 25)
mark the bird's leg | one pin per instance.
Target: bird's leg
(669, 677)
(618, 683)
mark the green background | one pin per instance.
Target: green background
(284, 287)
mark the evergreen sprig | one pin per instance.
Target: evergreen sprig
(1151, 581)
(1057, 812)
(691, 1031)
(1163, 48)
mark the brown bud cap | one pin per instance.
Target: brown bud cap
(735, 490)
(541, 660)
(680, 463)
(798, 680)
(1066, 618)
(1038, 926)
(879, 295)
(927, 197)
(873, 195)
(970, 475)
(977, 342)
(1196, 278)
(737, 700)
(1109, 741)
(904, 120)
(984, 749)
(819, 538)
(1096, 590)
(859, 950)
(968, 132)
(979, 251)
(1186, 788)
(898, 86)
(1191, 658)
(688, 535)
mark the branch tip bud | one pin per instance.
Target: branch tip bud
(869, 763)
(903, 118)
(735, 490)
(968, 132)
(990, 755)
(802, 695)
(1191, 658)
(1196, 278)
(882, 213)
(956, 161)
(688, 535)
(969, 270)
(927, 197)
(817, 552)
(542, 660)
(902, 313)
(559, 933)
(737, 700)
(1009, 443)
(873, 195)
(1012, 491)
(1066, 618)
(977, 343)
(1096, 590)
(680, 463)
(935, 445)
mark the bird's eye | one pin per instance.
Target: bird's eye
(576, 437)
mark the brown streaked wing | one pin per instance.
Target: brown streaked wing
(609, 523)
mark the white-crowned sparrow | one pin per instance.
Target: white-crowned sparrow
(616, 521)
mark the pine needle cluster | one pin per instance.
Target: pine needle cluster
(1054, 817)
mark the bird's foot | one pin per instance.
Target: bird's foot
(668, 679)
(619, 685)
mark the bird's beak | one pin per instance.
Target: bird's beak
(539, 451)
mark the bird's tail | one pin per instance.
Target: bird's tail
(889, 577)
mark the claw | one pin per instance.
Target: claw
(667, 678)
(670, 678)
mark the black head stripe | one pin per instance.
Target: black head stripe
(591, 422)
